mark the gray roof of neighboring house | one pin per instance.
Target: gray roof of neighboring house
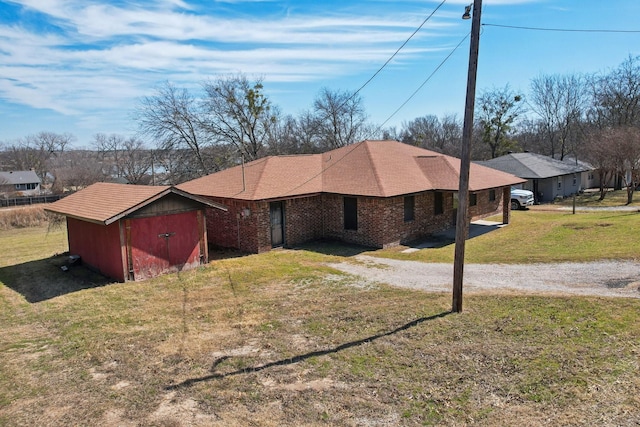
(533, 166)
(19, 177)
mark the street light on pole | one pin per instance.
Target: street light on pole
(462, 219)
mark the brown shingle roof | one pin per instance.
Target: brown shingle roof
(105, 203)
(368, 168)
(266, 178)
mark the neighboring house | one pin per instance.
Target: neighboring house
(615, 180)
(546, 177)
(589, 178)
(134, 232)
(19, 183)
(373, 193)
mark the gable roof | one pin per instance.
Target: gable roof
(533, 166)
(105, 203)
(19, 177)
(368, 168)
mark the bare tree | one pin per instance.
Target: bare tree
(616, 96)
(288, 137)
(531, 136)
(237, 113)
(422, 132)
(615, 154)
(391, 133)
(443, 136)
(123, 157)
(625, 150)
(339, 119)
(306, 133)
(497, 112)
(135, 163)
(75, 169)
(451, 134)
(5, 186)
(109, 150)
(598, 153)
(36, 152)
(172, 117)
(560, 102)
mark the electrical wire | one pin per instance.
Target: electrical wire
(568, 30)
(354, 146)
(396, 52)
(415, 92)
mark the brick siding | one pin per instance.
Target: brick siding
(486, 207)
(247, 226)
(303, 220)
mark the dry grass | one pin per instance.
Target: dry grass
(278, 339)
(27, 217)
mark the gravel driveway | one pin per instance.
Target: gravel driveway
(601, 278)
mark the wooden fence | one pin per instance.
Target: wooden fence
(22, 201)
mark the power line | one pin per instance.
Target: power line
(397, 51)
(567, 30)
(499, 26)
(354, 146)
(415, 92)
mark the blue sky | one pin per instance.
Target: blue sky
(80, 66)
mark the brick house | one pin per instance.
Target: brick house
(374, 193)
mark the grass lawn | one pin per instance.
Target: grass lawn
(535, 236)
(612, 198)
(279, 339)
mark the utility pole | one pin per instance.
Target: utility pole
(462, 220)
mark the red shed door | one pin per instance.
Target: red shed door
(164, 243)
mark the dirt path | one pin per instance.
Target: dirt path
(602, 278)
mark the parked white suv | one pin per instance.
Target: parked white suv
(520, 199)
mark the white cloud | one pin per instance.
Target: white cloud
(105, 56)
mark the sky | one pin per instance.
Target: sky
(82, 66)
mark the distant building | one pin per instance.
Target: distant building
(546, 177)
(19, 183)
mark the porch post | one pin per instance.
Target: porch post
(506, 205)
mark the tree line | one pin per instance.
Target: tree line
(590, 117)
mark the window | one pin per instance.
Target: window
(559, 183)
(350, 213)
(438, 203)
(22, 187)
(492, 195)
(409, 208)
(473, 199)
(575, 181)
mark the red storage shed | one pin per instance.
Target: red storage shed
(134, 232)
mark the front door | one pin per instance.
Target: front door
(277, 224)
